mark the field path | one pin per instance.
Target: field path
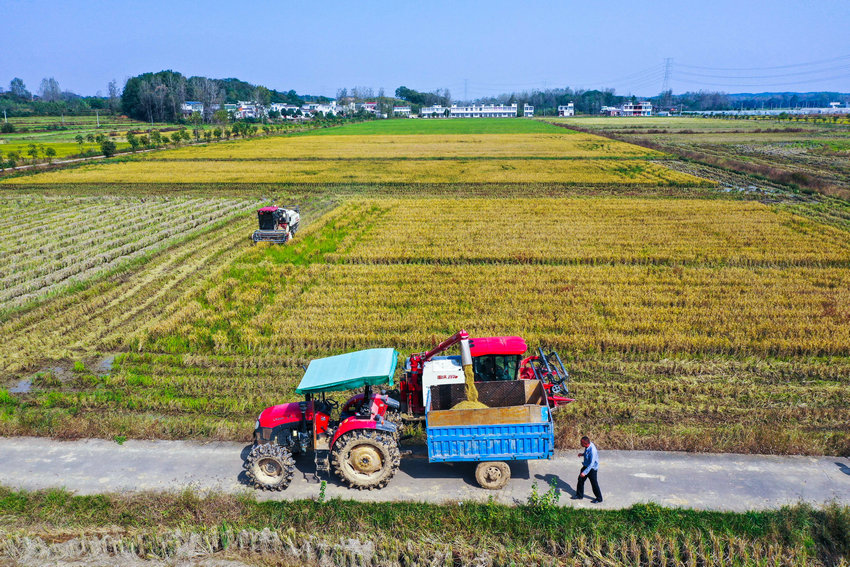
(702, 481)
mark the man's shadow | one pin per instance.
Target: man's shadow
(559, 484)
(843, 468)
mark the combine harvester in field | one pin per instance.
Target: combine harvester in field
(489, 406)
(277, 225)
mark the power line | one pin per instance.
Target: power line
(792, 65)
(777, 76)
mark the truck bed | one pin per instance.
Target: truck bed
(496, 433)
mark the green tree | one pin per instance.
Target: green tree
(221, 116)
(90, 138)
(144, 140)
(32, 151)
(207, 135)
(108, 147)
(13, 158)
(133, 141)
(156, 137)
(185, 135)
(79, 139)
(7, 128)
(50, 152)
(175, 138)
(217, 133)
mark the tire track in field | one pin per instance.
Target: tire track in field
(109, 314)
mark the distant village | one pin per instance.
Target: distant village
(253, 110)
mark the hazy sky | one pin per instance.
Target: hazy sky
(485, 47)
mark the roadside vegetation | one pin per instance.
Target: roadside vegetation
(55, 525)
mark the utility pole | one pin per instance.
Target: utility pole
(4, 116)
(97, 115)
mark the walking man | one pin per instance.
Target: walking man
(589, 468)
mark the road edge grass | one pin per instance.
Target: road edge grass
(538, 528)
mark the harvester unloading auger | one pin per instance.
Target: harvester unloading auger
(277, 224)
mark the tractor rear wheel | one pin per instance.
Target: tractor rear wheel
(366, 458)
(493, 475)
(270, 466)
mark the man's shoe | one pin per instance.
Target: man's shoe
(596, 501)
(576, 497)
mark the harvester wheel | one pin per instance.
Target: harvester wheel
(270, 466)
(366, 458)
(493, 475)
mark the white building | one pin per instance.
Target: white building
(527, 111)
(283, 108)
(483, 111)
(248, 109)
(642, 108)
(567, 110)
(436, 111)
(191, 106)
(401, 111)
(324, 108)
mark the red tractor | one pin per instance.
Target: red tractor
(361, 444)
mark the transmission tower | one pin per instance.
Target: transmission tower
(668, 70)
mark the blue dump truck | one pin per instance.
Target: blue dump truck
(516, 425)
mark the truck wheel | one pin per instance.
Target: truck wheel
(366, 458)
(270, 467)
(493, 475)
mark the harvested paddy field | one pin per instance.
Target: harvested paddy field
(692, 345)
(708, 324)
(811, 153)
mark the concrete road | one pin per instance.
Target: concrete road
(702, 481)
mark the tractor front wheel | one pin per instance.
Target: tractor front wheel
(366, 458)
(270, 467)
(493, 475)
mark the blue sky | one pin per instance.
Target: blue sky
(484, 47)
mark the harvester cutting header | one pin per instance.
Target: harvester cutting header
(277, 224)
(489, 405)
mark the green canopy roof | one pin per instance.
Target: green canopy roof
(349, 371)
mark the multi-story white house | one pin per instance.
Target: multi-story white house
(191, 106)
(401, 111)
(642, 108)
(527, 111)
(248, 109)
(483, 111)
(566, 110)
(436, 111)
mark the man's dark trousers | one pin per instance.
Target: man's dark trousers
(593, 484)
